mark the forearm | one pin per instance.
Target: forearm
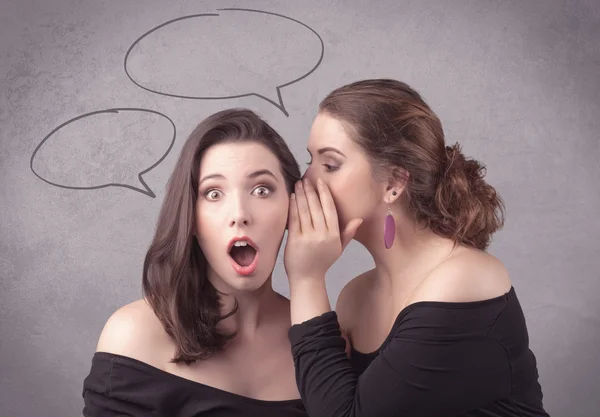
(308, 299)
(413, 375)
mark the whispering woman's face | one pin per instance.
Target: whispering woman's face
(241, 214)
(345, 168)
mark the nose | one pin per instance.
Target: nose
(308, 174)
(240, 213)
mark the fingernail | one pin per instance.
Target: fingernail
(319, 181)
(293, 196)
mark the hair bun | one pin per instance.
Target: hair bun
(454, 158)
(468, 205)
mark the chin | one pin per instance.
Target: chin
(247, 284)
(228, 281)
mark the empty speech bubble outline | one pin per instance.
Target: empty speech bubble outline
(146, 190)
(278, 104)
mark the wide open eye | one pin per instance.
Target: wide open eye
(262, 191)
(213, 194)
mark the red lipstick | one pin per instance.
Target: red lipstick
(244, 242)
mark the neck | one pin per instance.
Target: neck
(254, 309)
(415, 251)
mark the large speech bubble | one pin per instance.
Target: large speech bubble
(105, 148)
(232, 54)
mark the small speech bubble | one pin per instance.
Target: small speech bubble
(104, 148)
(235, 53)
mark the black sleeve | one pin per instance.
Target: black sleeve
(418, 373)
(101, 404)
(100, 401)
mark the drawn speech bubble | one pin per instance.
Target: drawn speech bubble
(104, 148)
(231, 54)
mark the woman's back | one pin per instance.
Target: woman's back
(444, 348)
(454, 346)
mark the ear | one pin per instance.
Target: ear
(396, 185)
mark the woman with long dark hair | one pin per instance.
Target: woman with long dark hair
(210, 336)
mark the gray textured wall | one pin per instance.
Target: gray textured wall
(516, 82)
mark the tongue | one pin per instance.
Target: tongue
(243, 255)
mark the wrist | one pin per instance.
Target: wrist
(306, 284)
(302, 278)
(308, 299)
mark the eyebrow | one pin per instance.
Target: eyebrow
(252, 175)
(329, 149)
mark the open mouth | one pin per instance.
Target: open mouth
(243, 254)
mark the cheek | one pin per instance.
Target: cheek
(207, 227)
(353, 196)
(274, 216)
(344, 197)
(204, 234)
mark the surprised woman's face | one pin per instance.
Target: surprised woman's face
(241, 214)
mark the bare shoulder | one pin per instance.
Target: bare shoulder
(349, 300)
(465, 276)
(134, 331)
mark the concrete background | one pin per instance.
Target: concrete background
(516, 82)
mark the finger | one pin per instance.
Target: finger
(293, 220)
(350, 231)
(329, 210)
(303, 210)
(314, 205)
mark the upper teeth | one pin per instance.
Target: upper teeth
(240, 243)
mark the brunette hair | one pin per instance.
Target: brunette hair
(397, 129)
(174, 273)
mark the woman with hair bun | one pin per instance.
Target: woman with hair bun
(436, 328)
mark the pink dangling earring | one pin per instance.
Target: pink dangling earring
(389, 228)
